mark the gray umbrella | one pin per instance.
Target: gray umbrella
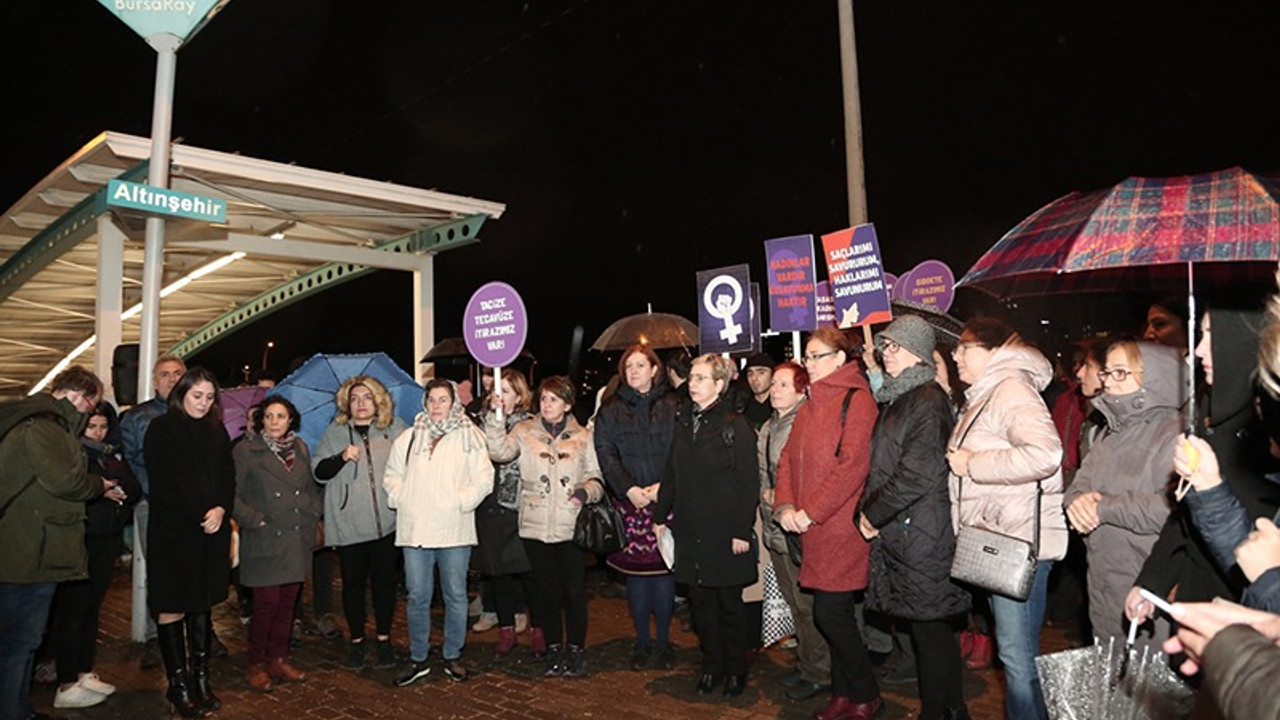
(1096, 683)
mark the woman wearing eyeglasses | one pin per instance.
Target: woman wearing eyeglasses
(1119, 500)
(821, 475)
(1003, 453)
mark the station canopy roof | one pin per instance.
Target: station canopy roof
(216, 275)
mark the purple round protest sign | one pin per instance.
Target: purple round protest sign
(929, 283)
(495, 325)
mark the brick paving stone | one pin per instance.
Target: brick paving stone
(509, 689)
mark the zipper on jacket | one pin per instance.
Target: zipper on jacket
(373, 488)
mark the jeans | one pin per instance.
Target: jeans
(1018, 643)
(24, 608)
(419, 575)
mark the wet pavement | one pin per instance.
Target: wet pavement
(511, 689)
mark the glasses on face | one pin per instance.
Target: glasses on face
(699, 377)
(1117, 374)
(963, 348)
(810, 358)
(889, 346)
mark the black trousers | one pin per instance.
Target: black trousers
(75, 609)
(938, 665)
(720, 617)
(560, 590)
(369, 564)
(851, 672)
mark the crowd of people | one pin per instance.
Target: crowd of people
(849, 473)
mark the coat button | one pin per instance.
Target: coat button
(297, 492)
(277, 494)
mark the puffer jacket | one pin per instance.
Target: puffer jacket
(435, 490)
(1131, 465)
(773, 438)
(633, 434)
(812, 478)
(42, 532)
(551, 470)
(1015, 446)
(355, 503)
(906, 499)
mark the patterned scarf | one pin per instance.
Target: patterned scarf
(507, 488)
(282, 448)
(424, 428)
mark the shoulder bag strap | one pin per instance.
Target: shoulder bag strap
(844, 415)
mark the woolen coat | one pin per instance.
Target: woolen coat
(278, 509)
(356, 509)
(906, 499)
(812, 478)
(710, 488)
(191, 471)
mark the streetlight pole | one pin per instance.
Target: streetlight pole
(266, 350)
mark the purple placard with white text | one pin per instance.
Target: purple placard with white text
(929, 283)
(495, 324)
(857, 276)
(793, 301)
(826, 306)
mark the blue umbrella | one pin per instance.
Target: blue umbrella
(311, 388)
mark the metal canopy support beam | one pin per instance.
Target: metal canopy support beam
(259, 246)
(109, 326)
(420, 242)
(424, 312)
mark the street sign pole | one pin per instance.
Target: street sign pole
(166, 47)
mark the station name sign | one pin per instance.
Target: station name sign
(162, 201)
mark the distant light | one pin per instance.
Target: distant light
(1044, 322)
(277, 236)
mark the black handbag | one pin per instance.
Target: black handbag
(599, 527)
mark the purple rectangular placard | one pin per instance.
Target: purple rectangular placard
(826, 307)
(793, 299)
(724, 309)
(857, 276)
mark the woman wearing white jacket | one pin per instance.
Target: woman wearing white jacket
(437, 474)
(558, 473)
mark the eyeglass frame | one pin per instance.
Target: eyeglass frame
(815, 357)
(1105, 374)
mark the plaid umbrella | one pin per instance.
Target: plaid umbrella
(1144, 232)
(311, 388)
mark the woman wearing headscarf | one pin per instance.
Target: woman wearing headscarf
(1181, 563)
(193, 490)
(633, 432)
(821, 475)
(906, 514)
(277, 508)
(350, 460)
(558, 474)
(1006, 459)
(1121, 496)
(710, 489)
(437, 474)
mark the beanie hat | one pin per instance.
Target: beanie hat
(912, 333)
(760, 360)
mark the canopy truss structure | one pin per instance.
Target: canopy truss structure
(71, 279)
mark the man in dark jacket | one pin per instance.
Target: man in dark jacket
(44, 484)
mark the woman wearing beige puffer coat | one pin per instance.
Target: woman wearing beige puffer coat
(1004, 451)
(558, 473)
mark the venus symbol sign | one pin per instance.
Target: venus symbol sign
(724, 309)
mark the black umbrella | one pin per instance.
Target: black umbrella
(453, 351)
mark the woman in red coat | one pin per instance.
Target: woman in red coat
(821, 475)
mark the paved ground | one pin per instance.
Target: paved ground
(508, 689)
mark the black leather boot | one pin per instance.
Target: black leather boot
(199, 637)
(173, 651)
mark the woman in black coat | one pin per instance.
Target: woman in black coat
(193, 489)
(712, 486)
(906, 514)
(278, 509)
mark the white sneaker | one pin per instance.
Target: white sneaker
(487, 621)
(475, 607)
(91, 681)
(77, 696)
(522, 622)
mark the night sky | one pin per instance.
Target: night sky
(638, 142)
